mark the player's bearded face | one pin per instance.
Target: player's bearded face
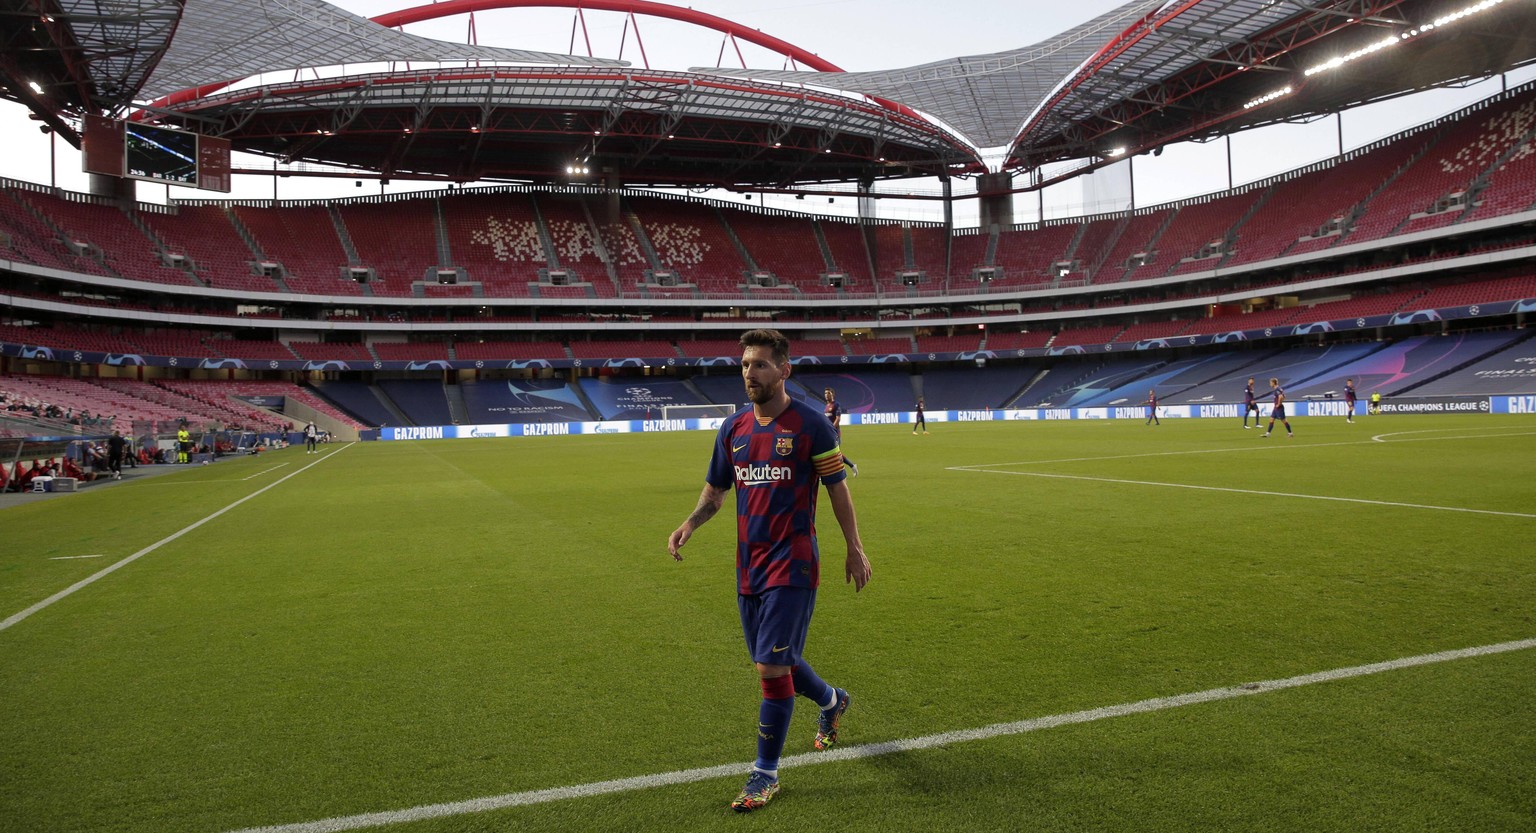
(763, 378)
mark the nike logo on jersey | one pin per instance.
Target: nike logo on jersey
(736, 448)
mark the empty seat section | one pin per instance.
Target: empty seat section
(849, 254)
(576, 244)
(303, 239)
(1000, 341)
(346, 351)
(411, 351)
(1149, 330)
(397, 240)
(203, 233)
(784, 246)
(880, 346)
(1028, 256)
(496, 238)
(126, 250)
(1195, 229)
(1088, 335)
(509, 351)
(1136, 239)
(967, 342)
(1246, 321)
(622, 349)
(690, 240)
(1463, 153)
(709, 348)
(421, 400)
(1512, 188)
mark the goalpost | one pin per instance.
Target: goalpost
(697, 411)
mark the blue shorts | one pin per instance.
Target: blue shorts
(1278, 412)
(775, 623)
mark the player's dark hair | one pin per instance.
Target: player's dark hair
(772, 339)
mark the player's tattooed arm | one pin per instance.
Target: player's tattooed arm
(710, 501)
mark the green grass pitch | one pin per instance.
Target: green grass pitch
(407, 624)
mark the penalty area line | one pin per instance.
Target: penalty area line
(874, 750)
(1261, 492)
(105, 571)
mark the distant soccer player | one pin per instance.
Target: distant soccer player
(921, 420)
(834, 414)
(1250, 405)
(1279, 410)
(311, 436)
(1375, 407)
(775, 453)
(1152, 407)
(1349, 400)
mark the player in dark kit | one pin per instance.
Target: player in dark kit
(775, 454)
(1250, 405)
(922, 419)
(1152, 407)
(1349, 400)
(1279, 412)
(834, 414)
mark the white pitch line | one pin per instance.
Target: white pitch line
(1254, 492)
(1375, 439)
(105, 571)
(264, 471)
(71, 557)
(873, 750)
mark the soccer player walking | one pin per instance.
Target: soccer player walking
(834, 413)
(774, 453)
(1279, 411)
(1152, 407)
(1250, 405)
(922, 419)
(1349, 400)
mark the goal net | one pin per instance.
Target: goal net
(696, 411)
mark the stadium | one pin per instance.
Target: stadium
(512, 303)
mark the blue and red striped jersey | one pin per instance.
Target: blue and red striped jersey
(776, 468)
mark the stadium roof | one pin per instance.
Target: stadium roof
(1144, 74)
(1154, 71)
(100, 55)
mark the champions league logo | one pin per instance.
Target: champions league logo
(434, 364)
(1314, 327)
(1069, 350)
(222, 364)
(1423, 316)
(333, 364)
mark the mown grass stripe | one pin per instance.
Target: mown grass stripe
(688, 776)
(106, 571)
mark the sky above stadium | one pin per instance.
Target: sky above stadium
(856, 35)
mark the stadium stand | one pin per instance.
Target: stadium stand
(848, 252)
(347, 351)
(1405, 364)
(1507, 368)
(205, 235)
(1000, 341)
(691, 241)
(357, 401)
(509, 350)
(872, 390)
(304, 240)
(1088, 335)
(523, 400)
(395, 239)
(973, 388)
(1090, 381)
(423, 401)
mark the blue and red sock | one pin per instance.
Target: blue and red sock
(773, 722)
